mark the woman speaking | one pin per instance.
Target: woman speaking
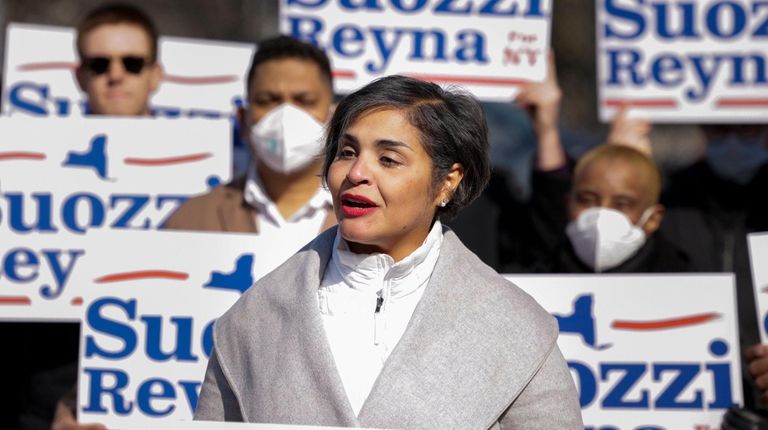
(387, 320)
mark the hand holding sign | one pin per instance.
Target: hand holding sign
(64, 419)
(757, 356)
(542, 101)
(632, 132)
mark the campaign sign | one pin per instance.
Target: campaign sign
(216, 425)
(61, 178)
(646, 351)
(489, 47)
(683, 61)
(36, 277)
(149, 307)
(201, 79)
(758, 255)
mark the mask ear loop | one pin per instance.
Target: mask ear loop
(647, 213)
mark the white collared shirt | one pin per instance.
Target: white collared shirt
(360, 338)
(292, 233)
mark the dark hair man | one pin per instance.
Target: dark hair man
(289, 98)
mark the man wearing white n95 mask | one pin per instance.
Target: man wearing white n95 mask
(290, 92)
(614, 216)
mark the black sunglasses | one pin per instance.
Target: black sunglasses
(99, 65)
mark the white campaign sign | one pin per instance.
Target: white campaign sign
(202, 78)
(646, 351)
(211, 425)
(71, 176)
(671, 61)
(758, 255)
(149, 307)
(489, 47)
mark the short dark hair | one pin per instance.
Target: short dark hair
(118, 13)
(281, 47)
(452, 125)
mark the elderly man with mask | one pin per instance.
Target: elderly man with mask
(614, 217)
(290, 94)
(603, 217)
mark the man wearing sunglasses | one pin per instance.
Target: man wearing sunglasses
(118, 70)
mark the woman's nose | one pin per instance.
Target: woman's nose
(359, 172)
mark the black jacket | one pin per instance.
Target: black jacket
(553, 252)
(657, 255)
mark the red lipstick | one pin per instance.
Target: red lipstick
(353, 205)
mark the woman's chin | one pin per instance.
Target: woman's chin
(357, 238)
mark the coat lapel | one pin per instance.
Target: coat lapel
(316, 347)
(294, 378)
(465, 355)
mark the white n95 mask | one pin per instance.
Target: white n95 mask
(287, 139)
(603, 238)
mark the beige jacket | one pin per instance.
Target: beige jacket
(223, 209)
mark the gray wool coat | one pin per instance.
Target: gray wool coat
(478, 353)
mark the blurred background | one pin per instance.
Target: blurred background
(573, 40)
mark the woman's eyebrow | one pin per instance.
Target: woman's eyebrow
(388, 143)
(350, 138)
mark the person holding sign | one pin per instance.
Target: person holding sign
(712, 205)
(290, 93)
(605, 216)
(387, 320)
(118, 70)
(615, 214)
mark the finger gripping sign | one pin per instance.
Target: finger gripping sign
(490, 47)
(644, 355)
(684, 61)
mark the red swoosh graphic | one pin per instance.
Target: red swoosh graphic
(471, 80)
(665, 324)
(346, 74)
(200, 80)
(169, 160)
(142, 274)
(645, 103)
(742, 102)
(77, 301)
(15, 300)
(21, 155)
(51, 65)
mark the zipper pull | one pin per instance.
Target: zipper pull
(378, 329)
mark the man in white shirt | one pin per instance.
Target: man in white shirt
(290, 94)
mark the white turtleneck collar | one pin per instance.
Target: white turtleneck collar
(366, 302)
(368, 272)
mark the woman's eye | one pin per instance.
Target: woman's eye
(346, 153)
(388, 162)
